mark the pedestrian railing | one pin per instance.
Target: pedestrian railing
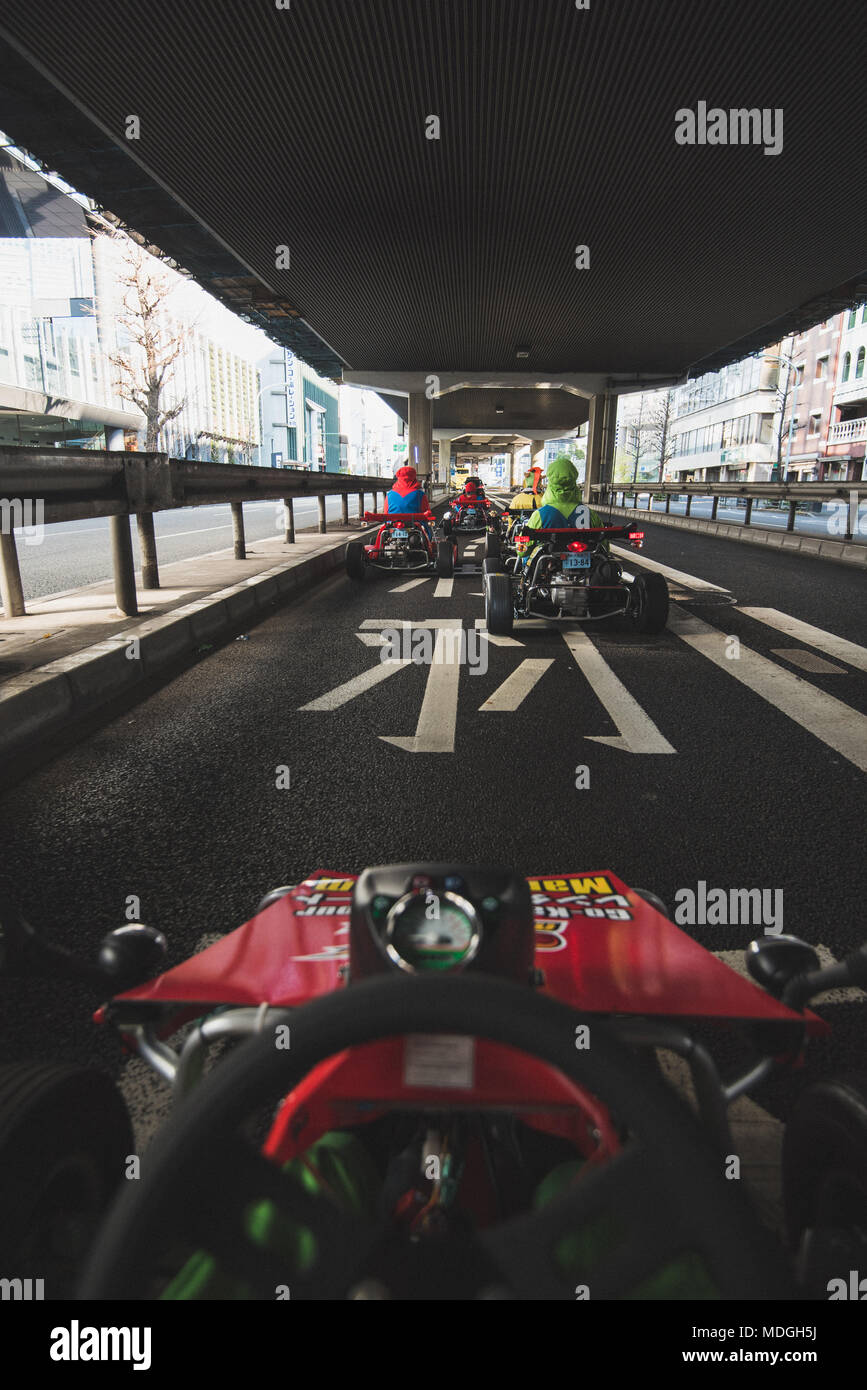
(846, 496)
(40, 487)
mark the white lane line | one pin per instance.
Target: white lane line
(637, 732)
(443, 588)
(435, 731)
(496, 641)
(823, 716)
(410, 584)
(811, 636)
(342, 694)
(517, 686)
(691, 581)
(808, 661)
(850, 994)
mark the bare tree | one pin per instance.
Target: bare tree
(785, 382)
(659, 432)
(145, 369)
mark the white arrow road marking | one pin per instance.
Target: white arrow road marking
(518, 685)
(342, 694)
(811, 636)
(638, 733)
(678, 576)
(823, 716)
(443, 588)
(849, 994)
(410, 584)
(435, 732)
(496, 641)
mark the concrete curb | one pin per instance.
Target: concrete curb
(840, 552)
(41, 702)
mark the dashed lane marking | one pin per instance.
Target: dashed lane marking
(811, 636)
(517, 686)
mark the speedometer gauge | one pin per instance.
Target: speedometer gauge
(432, 931)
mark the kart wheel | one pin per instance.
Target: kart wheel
(355, 566)
(65, 1137)
(824, 1166)
(649, 603)
(492, 566)
(492, 547)
(445, 561)
(499, 609)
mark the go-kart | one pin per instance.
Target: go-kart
(404, 541)
(468, 519)
(445, 1085)
(570, 576)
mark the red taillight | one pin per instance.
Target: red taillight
(636, 535)
(577, 545)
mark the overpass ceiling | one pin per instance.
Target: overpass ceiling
(503, 411)
(304, 127)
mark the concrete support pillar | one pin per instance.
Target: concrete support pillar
(122, 566)
(420, 438)
(238, 539)
(445, 462)
(600, 444)
(344, 509)
(538, 454)
(289, 521)
(323, 527)
(10, 575)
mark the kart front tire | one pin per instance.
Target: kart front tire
(492, 547)
(65, 1137)
(649, 603)
(493, 566)
(824, 1169)
(445, 561)
(355, 566)
(499, 609)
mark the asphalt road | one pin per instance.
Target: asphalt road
(175, 801)
(74, 553)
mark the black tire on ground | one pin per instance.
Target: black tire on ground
(445, 559)
(650, 602)
(824, 1165)
(499, 609)
(492, 547)
(65, 1136)
(355, 566)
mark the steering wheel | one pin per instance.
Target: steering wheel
(666, 1186)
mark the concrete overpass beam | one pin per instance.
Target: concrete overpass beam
(420, 434)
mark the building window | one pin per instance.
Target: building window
(853, 315)
(859, 364)
(864, 313)
(821, 368)
(815, 422)
(847, 363)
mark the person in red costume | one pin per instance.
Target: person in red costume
(473, 495)
(407, 495)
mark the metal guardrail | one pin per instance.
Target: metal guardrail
(56, 485)
(792, 494)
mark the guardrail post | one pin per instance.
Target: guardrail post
(122, 564)
(361, 506)
(238, 538)
(790, 519)
(344, 509)
(667, 503)
(749, 511)
(713, 506)
(322, 522)
(289, 521)
(150, 573)
(10, 575)
(688, 504)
